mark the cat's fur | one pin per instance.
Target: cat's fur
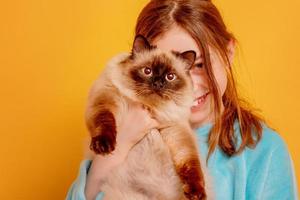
(165, 164)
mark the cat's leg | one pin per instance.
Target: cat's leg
(101, 123)
(183, 149)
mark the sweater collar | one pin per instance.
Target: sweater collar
(205, 129)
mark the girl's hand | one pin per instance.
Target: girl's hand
(134, 127)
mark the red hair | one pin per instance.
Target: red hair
(202, 20)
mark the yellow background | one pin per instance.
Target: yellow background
(51, 51)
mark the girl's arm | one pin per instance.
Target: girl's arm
(100, 167)
(280, 181)
(77, 189)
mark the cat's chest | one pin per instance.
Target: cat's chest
(148, 169)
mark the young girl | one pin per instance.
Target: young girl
(246, 159)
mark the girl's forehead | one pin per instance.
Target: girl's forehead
(177, 39)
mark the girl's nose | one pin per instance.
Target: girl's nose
(195, 86)
(196, 79)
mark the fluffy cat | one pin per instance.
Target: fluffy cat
(165, 164)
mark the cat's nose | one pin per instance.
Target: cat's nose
(157, 85)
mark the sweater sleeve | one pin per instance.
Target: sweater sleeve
(76, 191)
(280, 181)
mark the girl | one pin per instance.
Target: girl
(246, 159)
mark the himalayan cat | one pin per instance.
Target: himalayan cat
(165, 164)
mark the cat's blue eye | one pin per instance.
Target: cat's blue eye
(147, 71)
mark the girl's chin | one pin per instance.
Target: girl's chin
(200, 117)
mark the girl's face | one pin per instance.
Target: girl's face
(179, 40)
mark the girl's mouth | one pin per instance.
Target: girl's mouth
(200, 100)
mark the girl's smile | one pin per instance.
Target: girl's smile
(199, 102)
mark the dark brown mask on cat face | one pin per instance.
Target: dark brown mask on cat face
(156, 74)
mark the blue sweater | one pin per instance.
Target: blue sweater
(263, 173)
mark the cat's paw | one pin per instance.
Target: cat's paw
(194, 191)
(196, 197)
(103, 133)
(103, 144)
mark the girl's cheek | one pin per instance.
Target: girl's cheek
(195, 80)
(194, 76)
(197, 77)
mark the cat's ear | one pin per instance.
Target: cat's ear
(140, 44)
(189, 57)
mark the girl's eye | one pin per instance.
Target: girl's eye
(147, 71)
(170, 76)
(199, 65)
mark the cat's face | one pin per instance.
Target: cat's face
(156, 76)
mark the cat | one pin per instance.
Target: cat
(165, 164)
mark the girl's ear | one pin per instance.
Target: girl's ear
(231, 50)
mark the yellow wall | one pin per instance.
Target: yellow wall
(51, 51)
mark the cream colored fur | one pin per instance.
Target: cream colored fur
(148, 173)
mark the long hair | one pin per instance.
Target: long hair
(202, 20)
